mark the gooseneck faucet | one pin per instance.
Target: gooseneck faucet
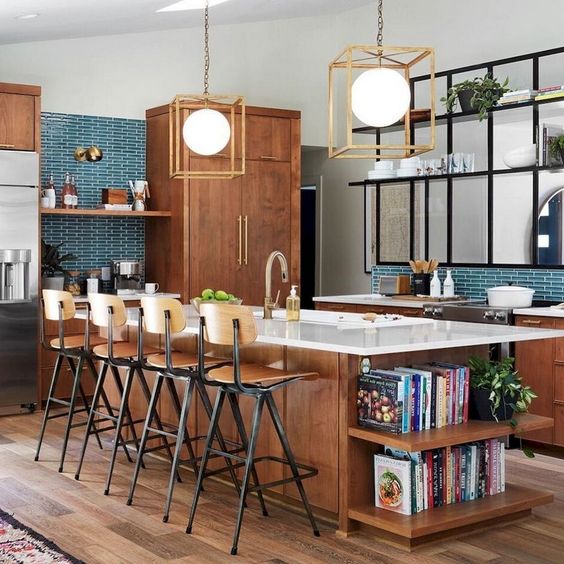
(269, 304)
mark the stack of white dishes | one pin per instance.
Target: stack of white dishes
(409, 167)
(382, 170)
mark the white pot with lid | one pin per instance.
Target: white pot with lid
(510, 296)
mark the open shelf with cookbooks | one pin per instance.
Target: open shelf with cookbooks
(422, 467)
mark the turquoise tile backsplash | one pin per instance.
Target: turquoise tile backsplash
(473, 282)
(94, 240)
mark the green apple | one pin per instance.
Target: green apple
(208, 294)
(221, 296)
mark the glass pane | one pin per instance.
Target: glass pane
(471, 137)
(438, 220)
(513, 130)
(512, 218)
(470, 220)
(394, 223)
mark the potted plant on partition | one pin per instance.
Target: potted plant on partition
(479, 94)
(556, 147)
(52, 273)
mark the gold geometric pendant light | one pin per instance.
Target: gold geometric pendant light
(374, 81)
(205, 125)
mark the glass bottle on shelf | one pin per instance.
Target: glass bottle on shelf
(74, 192)
(66, 192)
(49, 191)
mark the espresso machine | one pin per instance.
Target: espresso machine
(127, 276)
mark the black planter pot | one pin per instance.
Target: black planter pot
(465, 99)
(480, 407)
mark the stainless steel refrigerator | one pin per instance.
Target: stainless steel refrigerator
(19, 273)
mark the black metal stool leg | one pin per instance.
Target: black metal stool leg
(97, 391)
(205, 457)
(144, 436)
(178, 408)
(82, 394)
(76, 384)
(186, 401)
(158, 422)
(233, 400)
(290, 456)
(119, 425)
(248, 465)
(52, 387)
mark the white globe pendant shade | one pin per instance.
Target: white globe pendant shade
(380, 97)
(206, 131)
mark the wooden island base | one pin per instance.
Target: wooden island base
(320, 419)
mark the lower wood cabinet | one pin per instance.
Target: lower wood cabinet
(362, 308)
(541, 363)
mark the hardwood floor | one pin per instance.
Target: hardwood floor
(100, 529)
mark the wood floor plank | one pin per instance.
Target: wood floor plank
(103, 530)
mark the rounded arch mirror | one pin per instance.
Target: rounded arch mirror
(551, 230)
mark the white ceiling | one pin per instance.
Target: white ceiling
(62, 19)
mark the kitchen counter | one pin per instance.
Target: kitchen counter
(348, 333)
(376, 300)
(540, 311)
(130, 297)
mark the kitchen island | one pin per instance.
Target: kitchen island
(320, 413)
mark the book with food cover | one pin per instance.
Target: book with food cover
(392, 484)
(380, 401)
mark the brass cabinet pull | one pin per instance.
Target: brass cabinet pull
(218, 155)
(6, 146)
(412, 312)
(240, 260)
(531, 322)
(268, 158)
(246, 222)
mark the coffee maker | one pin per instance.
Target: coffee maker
(127, 275)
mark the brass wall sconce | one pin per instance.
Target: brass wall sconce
(91, 154)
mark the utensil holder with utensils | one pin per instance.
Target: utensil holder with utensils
(421, 277)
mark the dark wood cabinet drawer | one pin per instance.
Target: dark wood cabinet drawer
(380, 310)
(326, 306)
(410, 311)
(533, 321)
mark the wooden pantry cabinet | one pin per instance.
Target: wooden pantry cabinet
(541, 363)
(20, 117)
(221, 231)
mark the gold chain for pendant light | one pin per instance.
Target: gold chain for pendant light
(206, 49)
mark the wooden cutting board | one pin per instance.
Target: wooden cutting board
(411, 297)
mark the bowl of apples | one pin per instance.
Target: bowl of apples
(209, 296)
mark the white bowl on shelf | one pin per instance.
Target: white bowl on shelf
(385, 164)
(521, 156)
(381, 174)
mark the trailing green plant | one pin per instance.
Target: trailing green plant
(505, 387)
(51, 259)
(487, 90)
(556, 147)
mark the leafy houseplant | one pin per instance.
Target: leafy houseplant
(497, 391)
(51, 263)
(479, 94)
(556, 147)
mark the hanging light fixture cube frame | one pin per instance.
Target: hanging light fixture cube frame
(179, 156)
(366, 57)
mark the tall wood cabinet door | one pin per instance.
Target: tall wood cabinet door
(266, 218)
(216, 231)
(17, 122)
(268, 138)
(535, 360)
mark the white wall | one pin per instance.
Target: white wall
(281, 64)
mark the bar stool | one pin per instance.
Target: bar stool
(59, 306)
(165, 317)
(109, 312)
(223, 324)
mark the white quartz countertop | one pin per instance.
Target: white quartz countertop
(376, 300)
(130, 297)
(540, 311)
(349, 333)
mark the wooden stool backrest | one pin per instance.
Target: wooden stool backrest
(154, 315)
(219, 323)
(100, 303)
(51, 301)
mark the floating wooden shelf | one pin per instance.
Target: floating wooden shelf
(122, 213)
(514, 500)
(452, 434)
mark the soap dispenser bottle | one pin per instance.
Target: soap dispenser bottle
(435, 285)
(293, 305)
(448, 286)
